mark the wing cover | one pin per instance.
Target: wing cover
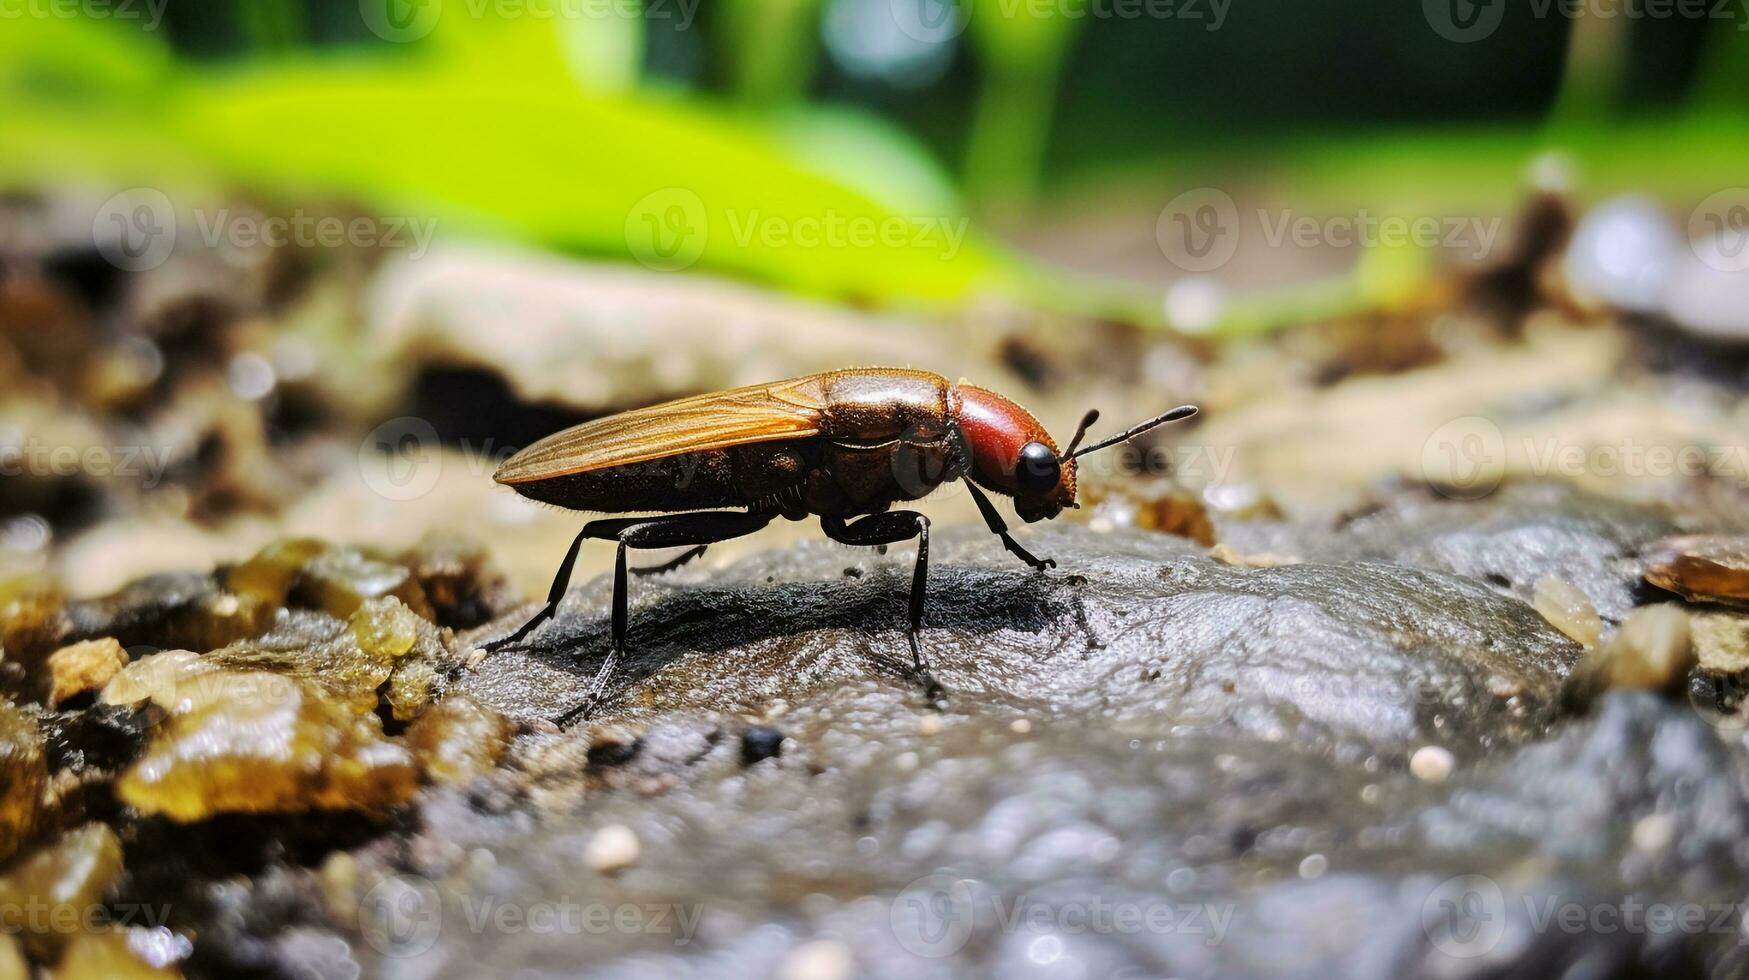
(757, 413)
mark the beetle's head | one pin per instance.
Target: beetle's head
(1011, 453)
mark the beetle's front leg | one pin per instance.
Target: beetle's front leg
(890, 528)
(994, 522)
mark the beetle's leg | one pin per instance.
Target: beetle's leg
(600, 530)
(672, 563)
(891, 528)
(704, 528)
(993, 521)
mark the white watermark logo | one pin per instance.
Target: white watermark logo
(405, 21)
(149, 13)
(1200, 230)
(936, 916)
(667, 230)
(403, 915)
(1468, 458)
(137, 230)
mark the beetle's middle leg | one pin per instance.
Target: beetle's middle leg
(678, 530)
(891, 528)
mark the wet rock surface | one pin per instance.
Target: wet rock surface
(1373, 757)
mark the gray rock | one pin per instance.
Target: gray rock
(1141, 630)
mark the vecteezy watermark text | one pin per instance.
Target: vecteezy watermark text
(138, 229)
(936, 916)
(1469, 457)
(403, 915)
(149, 13)
(1468, 916)
(1466, 21)
(35, 458)
(667, 230)
(402, 21)
(1200, 230)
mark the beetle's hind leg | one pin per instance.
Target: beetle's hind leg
(672, 563)
(678, 530)
(606, 530)
(891, 528)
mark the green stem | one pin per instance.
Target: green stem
(1010, 131)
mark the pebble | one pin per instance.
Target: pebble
(613, 848)
(1020, 726)
(1568, 610)
(82, 668)
(822, 959)
(1623, 253)
(1432, 764)
(759, 743)
(1702, 567)
(929, 725)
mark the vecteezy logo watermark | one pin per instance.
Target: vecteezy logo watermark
(31, 457)
(150, 13)
(934, 21)
(1718, 230)
(1465, 459)
(936, 915)
(668, 229)
(1468, 457)
(403, 21)
(1465, 917)
(137, 230)
(401, 459)
(1200, 230)
(403, 915)
(1465, 21)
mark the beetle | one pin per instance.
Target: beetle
(843, 446)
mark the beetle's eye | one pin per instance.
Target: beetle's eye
(1038, 471)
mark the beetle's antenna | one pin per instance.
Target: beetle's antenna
(1087, 420)
(1181, 412)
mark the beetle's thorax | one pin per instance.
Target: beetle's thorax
(996, 429)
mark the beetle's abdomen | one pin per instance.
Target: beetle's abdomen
(693, 481)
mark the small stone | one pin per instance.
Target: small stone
(12, 964)
(338, 582)
(1313, 866)
(1652, 651)
(385, 627)
(1020, 726)
(1432, 764)
(929, 725)
(1702, 568)
(82, 668)
(613, 848)
(107, 955)
(759, 743)
(1655, 832)
(154, 678)
(1568, 610)
(59, 884)
(1721, 640)
(254, 742)
(458, 739)
(271, 573)
(23, 771)
(822, 959)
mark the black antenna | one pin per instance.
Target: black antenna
(1181, 412)
(1087, 420)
